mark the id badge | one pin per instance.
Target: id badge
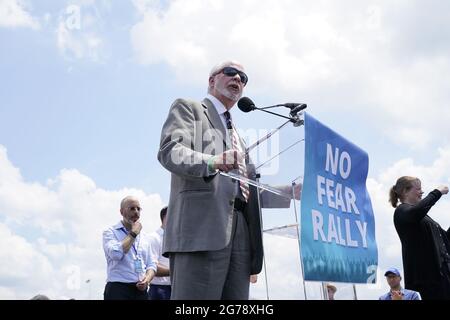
(138, 266)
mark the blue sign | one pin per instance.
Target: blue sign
(337, 222)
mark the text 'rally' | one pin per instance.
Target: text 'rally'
(340, 211)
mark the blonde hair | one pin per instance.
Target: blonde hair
(403, 185)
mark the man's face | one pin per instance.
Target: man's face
(131, 211)
(164, 221)
(226, 87)
(330, 293)
(393, 280)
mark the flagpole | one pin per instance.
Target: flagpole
(355, 297)
(297, 220)
(265, 278)
(324, 291)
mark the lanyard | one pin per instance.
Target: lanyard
(134, 245)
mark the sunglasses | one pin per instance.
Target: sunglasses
(231, 72)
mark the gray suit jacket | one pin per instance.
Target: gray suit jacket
(201, 206)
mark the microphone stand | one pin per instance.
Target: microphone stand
(250, 148)
(293, 118)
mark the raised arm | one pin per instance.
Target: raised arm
(415, 213)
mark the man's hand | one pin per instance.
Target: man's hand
(396, 295)
(253, 278)
(143, 284)
(227, 160)
(136, 227)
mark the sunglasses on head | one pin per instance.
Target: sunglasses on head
(231, 72)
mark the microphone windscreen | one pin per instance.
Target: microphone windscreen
(246, 104)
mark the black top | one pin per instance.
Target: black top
(425, 245)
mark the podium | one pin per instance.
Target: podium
(278, 157)
(279, 164)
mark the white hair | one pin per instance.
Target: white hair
(217, 68)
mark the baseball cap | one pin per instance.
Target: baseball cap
(392, 271)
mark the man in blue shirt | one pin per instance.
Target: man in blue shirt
(397, 292)
(127, 251)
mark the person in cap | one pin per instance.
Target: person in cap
(393, 279)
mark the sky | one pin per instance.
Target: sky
(86, 85)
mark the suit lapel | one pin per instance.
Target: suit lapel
(214, 119)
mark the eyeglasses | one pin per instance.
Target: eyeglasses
(231, 72)
(134, 208)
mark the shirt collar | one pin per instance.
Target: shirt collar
(119, 226)
(217, 104)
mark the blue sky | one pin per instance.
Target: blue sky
(68, 112)
(82, 105)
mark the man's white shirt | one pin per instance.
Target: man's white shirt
(156, 239)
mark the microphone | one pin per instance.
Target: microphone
(299, 107)
(293, 105)
(246, 104)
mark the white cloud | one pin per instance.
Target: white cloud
(78, 45)
(288, 44)
(438, 172)
(18, 255)
(365, 58)
(13, 14)
(282, 254)
(57, 229)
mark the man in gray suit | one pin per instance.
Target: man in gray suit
(213, 234)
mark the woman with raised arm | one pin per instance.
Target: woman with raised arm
(425, 245)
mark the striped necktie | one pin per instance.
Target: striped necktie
(241, 164)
